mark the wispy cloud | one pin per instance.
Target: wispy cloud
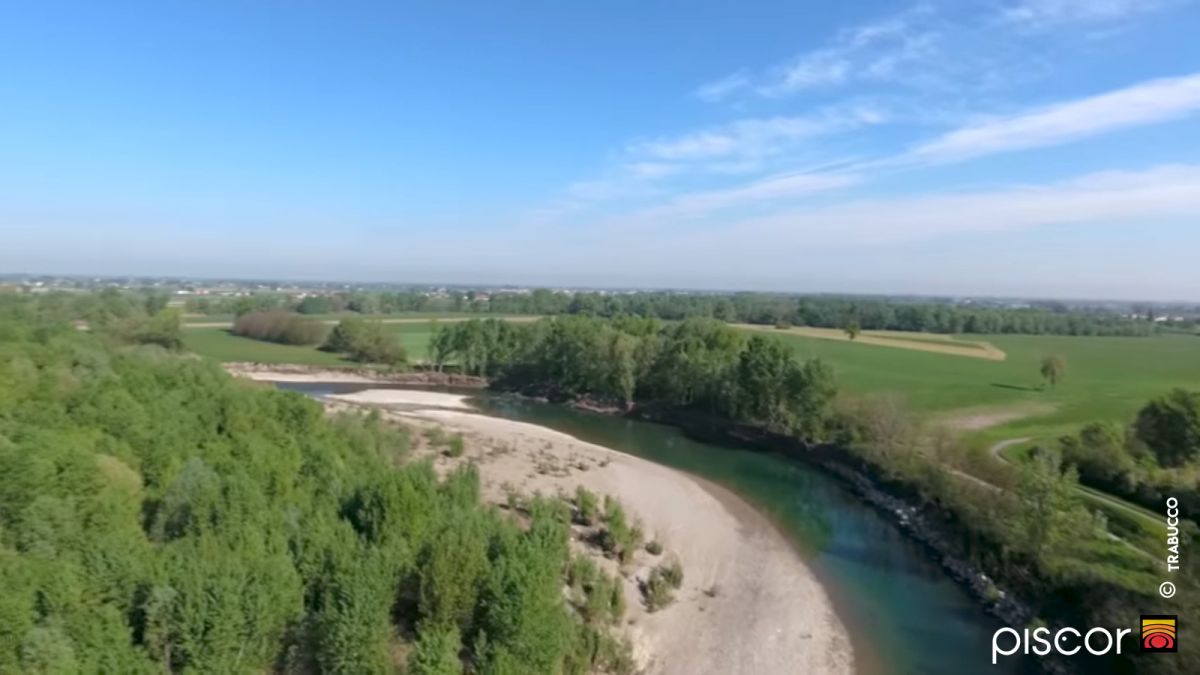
(719, 89)
(933, 48)
(755, 137)
(1146, 103)
(769, 191)
(1051, 13)
(875, 51)
(1111, 197)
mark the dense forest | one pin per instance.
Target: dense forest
(1029, 528)
(758, 308)
(158, 516)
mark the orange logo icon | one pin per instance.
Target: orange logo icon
(1159, 633)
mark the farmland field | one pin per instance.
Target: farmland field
(1106, 378)
(218, 343)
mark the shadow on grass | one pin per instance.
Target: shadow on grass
(1018, 387)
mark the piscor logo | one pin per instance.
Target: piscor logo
(1159, 633)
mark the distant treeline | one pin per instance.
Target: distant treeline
(756, 308)
(157, 516)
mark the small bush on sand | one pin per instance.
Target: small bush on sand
(656, 591)
(654, 548)
(454, 447)
(587, 506)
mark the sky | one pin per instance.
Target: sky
(1046, 148)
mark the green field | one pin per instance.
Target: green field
(1107, 378)
(221, 345)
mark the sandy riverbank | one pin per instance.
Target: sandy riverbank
(279, 372)
(404, 398)
(748, 604)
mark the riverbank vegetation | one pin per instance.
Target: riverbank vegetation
(157, 515)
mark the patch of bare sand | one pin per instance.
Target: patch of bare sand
(748, 605)
(315, 375)
(405, 398)
(986, 418)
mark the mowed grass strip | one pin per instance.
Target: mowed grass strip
(919, 341)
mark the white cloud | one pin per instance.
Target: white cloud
(1047, 13)
(1108, 197)
(1146, 103)
(719, 89)
(769, 191)
(755, 137)
(874, 51)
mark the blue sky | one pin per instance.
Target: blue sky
(1016, 147)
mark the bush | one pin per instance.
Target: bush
(279, 326)
(672, 572)
(454, 447)
(654, 548)
(587, 506)
(656, 590)
(365, 341)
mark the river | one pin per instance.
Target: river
(905, 615)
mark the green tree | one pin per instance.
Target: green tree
(436, 652)
(1170, 427)
(852, 328)
(1053, 369)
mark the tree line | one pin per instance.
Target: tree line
(699, 364)
(758, 308)
(158, 516)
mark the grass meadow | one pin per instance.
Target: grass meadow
(1107, 378)
(221, 345)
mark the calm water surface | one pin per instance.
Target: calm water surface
(905, 615)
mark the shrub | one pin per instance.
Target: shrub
(654, 548)
(672, 572)
(365, 341)
(656, 590)
(454, 447)
(587, 506)
(279, 326)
